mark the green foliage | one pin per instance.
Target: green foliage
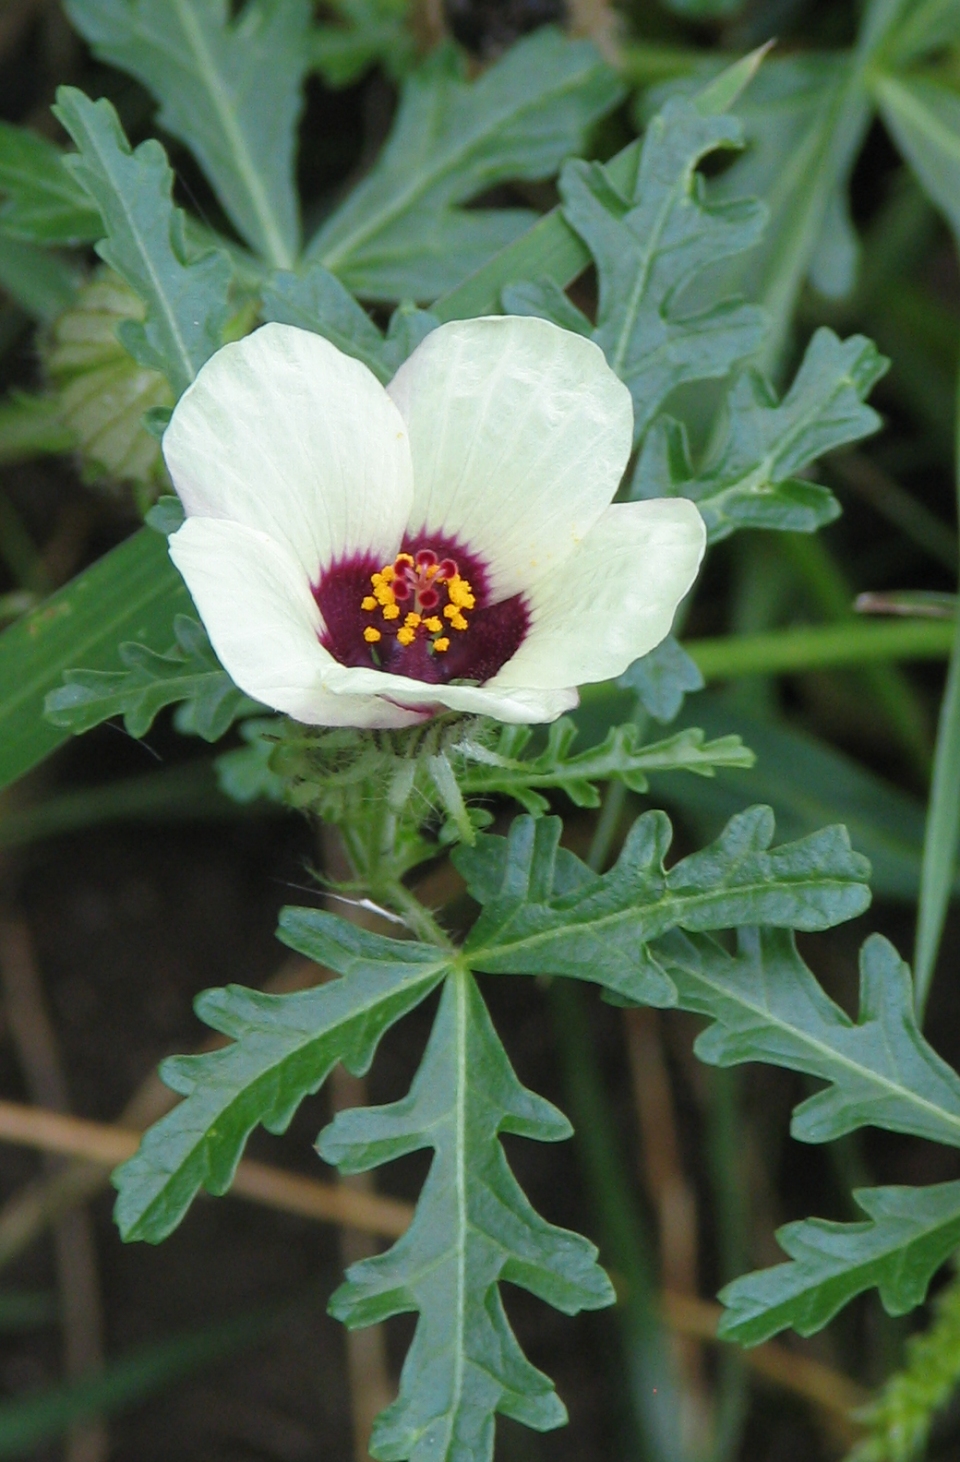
(661, 680)
(651, 241)
(545, 912)
(402, 232)
(186, 299)
(924, 119)
(908, 1235)
(807, 782)
(132, 593)
(367, 33)
(44, 204)
(473, 1228)
(752, 478)
(316, 300)
(899, 1420)
(283, 1048)
(41, 283)
(620, 757)
(189, 673)
(229, 89)
(765, 1005)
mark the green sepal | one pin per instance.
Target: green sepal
(283, 1047)
(473, 1229)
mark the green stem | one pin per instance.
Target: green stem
(817, 647)
(416, 915)
(887, 685)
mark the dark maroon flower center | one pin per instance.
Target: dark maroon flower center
(427, 615)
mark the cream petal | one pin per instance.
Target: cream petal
(521, 705)
(520, 433)
(283, 432)
(613, 600)
(254, 598)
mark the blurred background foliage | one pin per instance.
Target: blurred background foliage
(129, 881)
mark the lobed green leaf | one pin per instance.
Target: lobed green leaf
(908, 1235)
(283, 1047)
(230, 89)
(473, 1228)
(186, 298)
(44, 204)
(546, 912)
(652, 240)
(316, 300)
(621, 757)
(402, 233)
(765, 1005)
(753, 479)
(188, 673)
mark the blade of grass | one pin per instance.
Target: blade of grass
(26, 1425)
(132, 593)
(942, 835)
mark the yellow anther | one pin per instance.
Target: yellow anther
(391, 611)
(433, 624)
(384, 594)
(440, 645)
(411, 621)
(371, 635)
(432, 570)
(458, 622)
(406, 636)
(404, 558)
(368, 603)
(387, 573)
(460, 593)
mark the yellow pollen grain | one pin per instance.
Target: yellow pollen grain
(441, 645)
(433, 624)
(406, 636)
(368, 603)
(460, 593)
(391, 611)
(371, 635)
(411, 621)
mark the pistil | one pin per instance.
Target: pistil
(421, 581)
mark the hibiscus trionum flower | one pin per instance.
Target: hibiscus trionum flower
(371, 556)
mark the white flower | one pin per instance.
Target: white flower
(364, 556)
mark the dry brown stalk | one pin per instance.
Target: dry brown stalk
(81, 1315)
(106, 1145)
